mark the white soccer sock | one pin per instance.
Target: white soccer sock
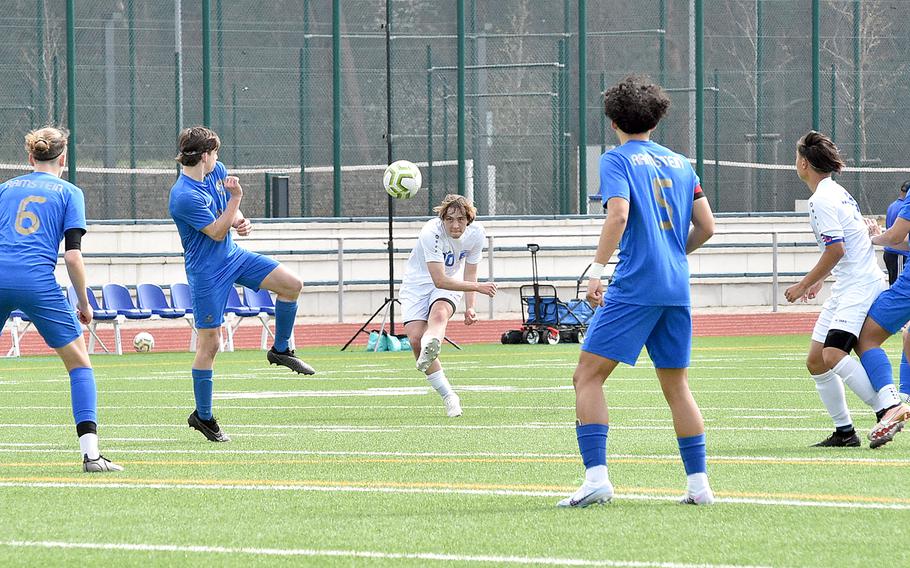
(596, 475)
(697, 483)
(88, 444)
(887, 397)
(439, 382)
(831, 391)
(855, 377)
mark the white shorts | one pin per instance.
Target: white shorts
(416, 300)
(847, 310)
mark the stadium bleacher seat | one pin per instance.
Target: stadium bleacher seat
(235, 311)
(262, 301)
(151, 297)
(182, 299)
(116, 297)
(98, 316)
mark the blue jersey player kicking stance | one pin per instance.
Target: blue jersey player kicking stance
(37, 211)
(651, 195)
(205, 205)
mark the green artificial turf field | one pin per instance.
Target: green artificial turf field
(358, 465)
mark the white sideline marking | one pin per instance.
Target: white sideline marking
(437, 491)
(309, 552)
(345, 453)
(362, 428)
(426, 406)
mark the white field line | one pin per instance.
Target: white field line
(323, 553)
(415, 378)
(424, 406)
(469, 455)
(407, 427)
(435, 491)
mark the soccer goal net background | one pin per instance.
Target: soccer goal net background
(283, 85)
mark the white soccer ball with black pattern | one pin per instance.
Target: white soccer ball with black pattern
(402, 179)
(143, 342)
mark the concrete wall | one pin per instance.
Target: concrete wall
(733, 270)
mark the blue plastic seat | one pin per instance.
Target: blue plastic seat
(236, 307)
(117, 297)
(181, 298)
(99, 315)
(261, 300)
(151, 297)
(98, 312)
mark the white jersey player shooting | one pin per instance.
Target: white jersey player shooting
(441, 268)
(847, 254)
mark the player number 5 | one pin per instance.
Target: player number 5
(659, 185)
(24, 215)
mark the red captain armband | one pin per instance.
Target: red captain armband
(698, 193)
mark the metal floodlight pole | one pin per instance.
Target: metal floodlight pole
(388, 126)
(461, 98)
(699, 89)
(336, 107)
(816, 80)
(178, 66)
(206, 63)
(582, 108)
(71, 86)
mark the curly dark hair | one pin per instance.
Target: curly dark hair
(636, 104)
(820, 152)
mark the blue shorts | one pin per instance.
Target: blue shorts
(54, 317)
(891, 309)
(210, 291)
(618, 331)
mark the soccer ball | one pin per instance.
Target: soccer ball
(402, 179)
(143, 342)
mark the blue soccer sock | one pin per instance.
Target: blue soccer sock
(83, 395)
(202, 390)
(592, 443)
(285, 314)
(693, 453)
(878, 367)
(905, 375)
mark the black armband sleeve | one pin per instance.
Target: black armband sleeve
(73, 239)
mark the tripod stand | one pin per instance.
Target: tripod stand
(388, 306)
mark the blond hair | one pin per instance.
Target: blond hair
(459, 202)
(46, 143)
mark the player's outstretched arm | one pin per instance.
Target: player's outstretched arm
(896, 236)
(702, 225)
(470, 275)
(443, 282)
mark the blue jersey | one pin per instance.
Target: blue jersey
(660, 186)
(890, 217)
(195, 205)
(35, 210)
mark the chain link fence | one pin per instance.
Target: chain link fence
(139, 77)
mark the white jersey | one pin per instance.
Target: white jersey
(435, 245)
(835, 217)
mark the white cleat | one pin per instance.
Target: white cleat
(98, 465)
(428, 354)
(452, 404)
(589, 494)
(705, 497)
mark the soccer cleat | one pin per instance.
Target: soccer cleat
(288, 359)
(705, 497)
(589, 494)
(209, 428)
(428, 354)
(836, 440)
(452, 404)
(889, 425)
(99, 464)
